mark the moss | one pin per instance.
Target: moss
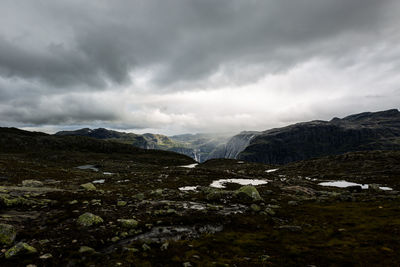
(89, 219)
(128, 223)
(88, 186)
(7, 234)
(249, 191)
(20, 249)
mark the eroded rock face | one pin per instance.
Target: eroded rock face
(20, 248)
(89, 219)
(7, 234)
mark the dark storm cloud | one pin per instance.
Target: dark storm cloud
(50, 49)
(105, 40)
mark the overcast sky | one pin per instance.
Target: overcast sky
(178, 66)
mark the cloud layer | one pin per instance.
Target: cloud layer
(186, 66)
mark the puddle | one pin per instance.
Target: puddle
(220, 183)
(344, 184)
(190, 166)
(271, 170)
(188, 188)
(101, 181)
(88, 167)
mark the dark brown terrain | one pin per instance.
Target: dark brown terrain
(146, 220)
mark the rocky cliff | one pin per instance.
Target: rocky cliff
(359, 132)
(234, 146)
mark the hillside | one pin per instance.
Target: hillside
(13, 140)
(196, 146)
(359, 132)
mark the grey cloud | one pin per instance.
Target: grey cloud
(189, 39)
(50, 50)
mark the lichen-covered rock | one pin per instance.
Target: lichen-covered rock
(7, 234)
(255, 207)
(88, 186)
(9, 201)
(121, 203)
(46, 256)
(73, 202)
(20, 249)
(374, 188)
(89, 219)
(249, 191)
(32, 183)
(128, 223)
(86, 249)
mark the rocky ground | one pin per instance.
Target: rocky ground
(121, 211)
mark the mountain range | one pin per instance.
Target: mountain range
(305, 140)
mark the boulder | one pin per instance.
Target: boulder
(89, 219)
(20, 249)
(249, 192)
(128, 223)
(32, 183)
(86, 249)
(88, 186)
(121, 203)
(7, 234)
(374, 188)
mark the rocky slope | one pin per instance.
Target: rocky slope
(359, 132)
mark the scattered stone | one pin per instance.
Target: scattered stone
(255, 207)
(88, 219)
(46, 256)
(293, 203)
(164, 246)
(88, 186)
(128, 223)
(264, 258)
(32, 183)
(299, 190)
(146, 247)
(7, 234)
(86, 249)
(270, 211)
(139, 196)
(121, 203)
(115, 239)
(20, 248)
(73, 202)
(187, 264)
